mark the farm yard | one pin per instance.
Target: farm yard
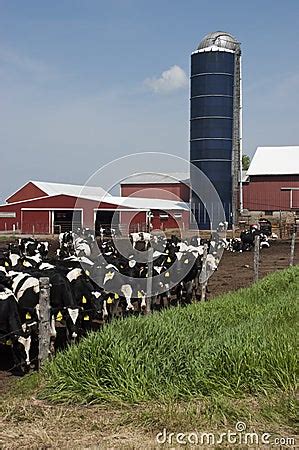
(130, 412)
(149, 226)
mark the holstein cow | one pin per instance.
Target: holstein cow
(66, 244)
(142, 238)
(43, 249)
(26, 291)
(63, 305)
(28, 246)
(89, 298)
(248, 236)
(82, 247)
(13, 332)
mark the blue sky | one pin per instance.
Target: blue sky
(80, 80)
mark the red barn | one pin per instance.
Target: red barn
(171, 186)
(47, 208)
(273, 180)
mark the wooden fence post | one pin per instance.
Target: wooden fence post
(203, 275)
(44, 321)
(149, 281)
(256, 260)
(280, 225)
(293, 248)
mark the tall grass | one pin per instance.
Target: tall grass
(241, 343)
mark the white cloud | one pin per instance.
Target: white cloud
(170, 80)
(14, 63)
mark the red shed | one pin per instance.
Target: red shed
(273, 180)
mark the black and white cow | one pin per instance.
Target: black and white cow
(28, 246)
(89, 298)
(248, 236)
(43, 249)
(13, 332)
(66, 244)
(142, 238)
(63, 305)
(82, 247)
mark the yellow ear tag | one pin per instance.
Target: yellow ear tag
(116, 296)
(168, 259)
(6, 264)
(59, 317)
(139, 294)
(186, 261)
(86, 317)
(26, 264)
(84, 299)
(166, 274)
(28, 316)
(8, 342)
(87, 272)
(109, 300)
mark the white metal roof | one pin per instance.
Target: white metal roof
(136, 203)
(148, 178)
(275, 161)
(68, 189)
(140, 203)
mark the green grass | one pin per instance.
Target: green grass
(240, 345)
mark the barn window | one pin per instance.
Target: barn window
(7, 215)
(163, 216)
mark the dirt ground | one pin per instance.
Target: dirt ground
(233, 272)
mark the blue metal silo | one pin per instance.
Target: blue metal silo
(215, 122)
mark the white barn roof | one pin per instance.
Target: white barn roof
(140, 203)
(149, 178)
(275, 161)
(68, 189)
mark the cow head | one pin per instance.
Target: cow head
(68, 316)
(142, 300)
(99, 305)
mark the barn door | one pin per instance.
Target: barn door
(35, 222)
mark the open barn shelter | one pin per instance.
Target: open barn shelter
(50, 208)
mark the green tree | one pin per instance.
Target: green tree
(245, 162)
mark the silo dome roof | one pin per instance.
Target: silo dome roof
(219, 39)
